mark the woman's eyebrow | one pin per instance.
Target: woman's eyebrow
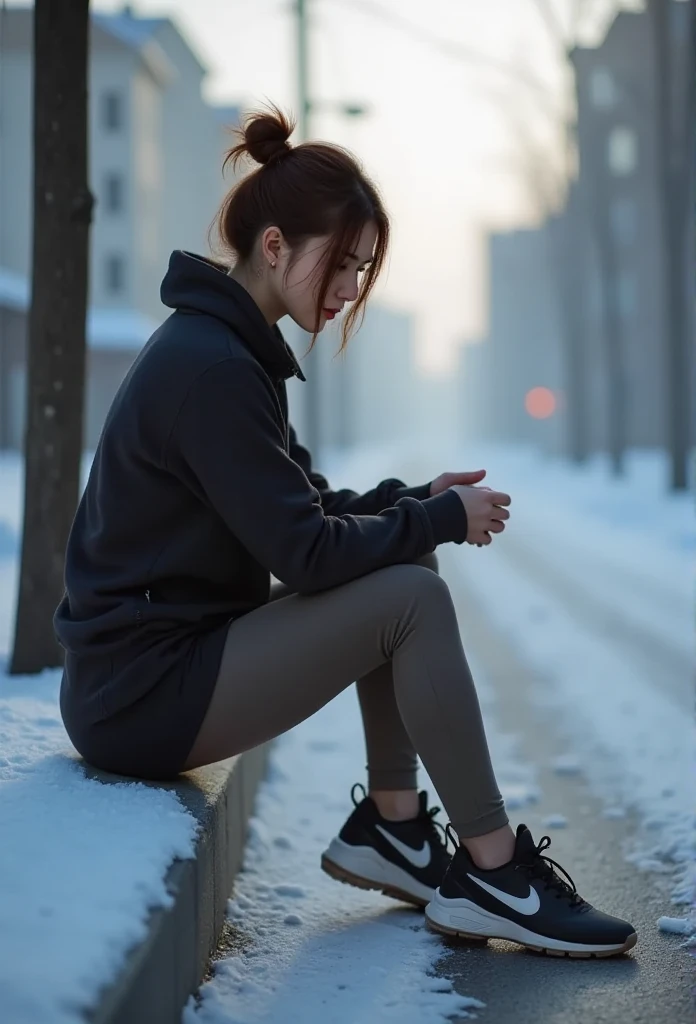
(354, 256)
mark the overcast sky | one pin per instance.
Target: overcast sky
(441, 137)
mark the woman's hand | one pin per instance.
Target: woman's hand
(446, 480)
(485, 511)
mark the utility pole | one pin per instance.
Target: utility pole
(302, 71)
(312, 386)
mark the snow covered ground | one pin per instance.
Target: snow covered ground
(624, 691)
(314, 953)
(594, 583)
(80, 863)
(309, 948)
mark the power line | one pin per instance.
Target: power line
(457, 51)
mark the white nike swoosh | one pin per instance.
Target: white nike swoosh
(419, 858)
(529, 905)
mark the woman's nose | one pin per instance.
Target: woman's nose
(348, 292)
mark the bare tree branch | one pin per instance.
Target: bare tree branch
(459, 52)
(545, 185)
(578, 9)
(553, 23)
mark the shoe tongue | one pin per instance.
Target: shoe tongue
(525, 847)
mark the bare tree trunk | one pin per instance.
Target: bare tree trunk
(611, 320)
(594, 217)
(566, 255)
(675, 109)
(56, 349)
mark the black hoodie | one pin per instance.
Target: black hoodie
(199, 490)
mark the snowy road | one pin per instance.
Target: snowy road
(579, 627)
(598, 833)
(579, 630)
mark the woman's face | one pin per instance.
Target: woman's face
(299, 290)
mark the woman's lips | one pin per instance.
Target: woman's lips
(330, 313)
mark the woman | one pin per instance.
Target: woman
(178, 651)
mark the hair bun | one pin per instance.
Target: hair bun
(266, 134)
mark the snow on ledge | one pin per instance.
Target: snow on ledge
(107, 329)
(81, 862)
(14, 290)
(117, 329)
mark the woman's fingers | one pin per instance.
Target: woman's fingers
(500, 498)
(488, 518)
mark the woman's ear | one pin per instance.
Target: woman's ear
(272, 244)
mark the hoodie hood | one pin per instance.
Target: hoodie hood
(195, 283)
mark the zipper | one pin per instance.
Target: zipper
(281, 394)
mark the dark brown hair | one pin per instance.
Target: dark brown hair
(314, 189)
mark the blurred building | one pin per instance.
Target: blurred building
(155, 169)
(511, 381)
(618, 196)
(473, 375)
(576, 306)
(372, 393)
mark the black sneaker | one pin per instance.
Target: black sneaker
(525, 901)
(403, 859)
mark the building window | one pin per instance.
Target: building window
(115, 274)
(113, 192)
(602, 89)
(112, 111)
(624, 220)
(622, 151)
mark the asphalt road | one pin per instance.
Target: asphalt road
(651, 985)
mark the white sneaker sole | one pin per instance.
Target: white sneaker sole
(464, 919)
(365, 868)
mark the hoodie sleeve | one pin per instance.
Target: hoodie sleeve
(346, 501)
(228, 444)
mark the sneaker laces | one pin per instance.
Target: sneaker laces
(431, 826)
(358, 785)
(434, 828)
(543, 867)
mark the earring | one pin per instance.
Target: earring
(273, 264)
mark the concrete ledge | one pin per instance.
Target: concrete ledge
(167, 967)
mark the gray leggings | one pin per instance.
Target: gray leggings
(395, 631)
